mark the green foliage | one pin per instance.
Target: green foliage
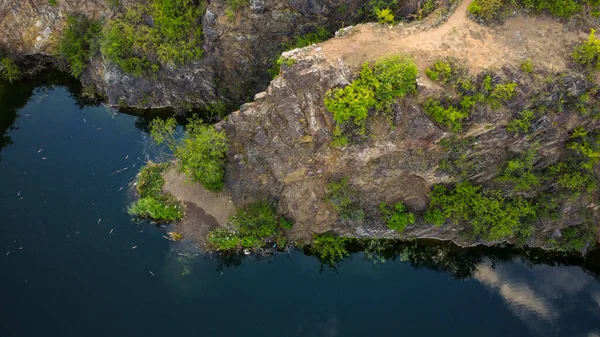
(396, 218)
(342, 198)
(235, 5)
(153, 203)
(488, 10)
(329, 249)
(79, 42)
(574, 238)
(586, 147)
(527, 66)
(520, 171)
(201, 152)
(559, 8)
(384, 15)
(587, 54)
(441, 71)
(276, 69)
(573, 179)
(501, 93)
(251, 227)
(52, 3)
(175, 37)
(319, 35)
(9, 71)
(450, 116)
(377, 87)
(156, 209)
(521, 124)
(492, 216)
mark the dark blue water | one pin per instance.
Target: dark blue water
(68, 266)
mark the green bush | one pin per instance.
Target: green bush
(276, 69)
(9, 71)
(201, 153)
(378, 87)
(251, 227)
(450, 116)
(396, 218)
(53, 3)
(153, 202)
(441, 71)
(492, 216)
(384, 15)
(575, 238)
(526, 66)
(456, 162)
(559, 8)
(342, 198)
(175, 37)
(501, 93)
(587, 54)
(329, 249)
(319, 35)
(586, 147)
(156, 209)
(521, 124)
(573, 179)
(79, 42)
(520, 172)
(489, 10)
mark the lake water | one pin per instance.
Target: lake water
(72, 263)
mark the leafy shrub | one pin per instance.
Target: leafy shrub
(341, 197)
(276, 69)
(79, 42)
(586, 147)
(319, 35)
(174, 38)
(587, 54)
(384, 15)
(153, 202)
(53, 3)
(329, 249)
(519, 171)
(488, 10)
(456, 161)
(441, 71)
(377, 86)
(559, 8)
(156, 209)
(526, 66)
(574, 238)
(201, 152)
(573, 179)
(450, 116)
(9, 71)
(396, 218)
(492, 216)
(521, 124)
(501, 93)
(251, 227)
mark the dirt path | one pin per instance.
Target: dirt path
(204, 210)
(544, 40)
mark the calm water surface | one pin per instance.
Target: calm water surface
(68, 266)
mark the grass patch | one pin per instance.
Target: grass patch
(200, 154)
(489, 11)
(492, 216)
(396, 218)
(251, 227)
(377, 87)
(343, 200)
(153, 203)
(526, 66)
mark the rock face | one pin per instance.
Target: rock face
(238, 48)
(279, 149)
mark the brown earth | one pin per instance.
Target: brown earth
(546, 41)
(204, 210)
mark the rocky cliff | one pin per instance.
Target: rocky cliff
(239, 46)
(280, 144)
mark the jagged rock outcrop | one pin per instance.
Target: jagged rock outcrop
(238, 49)
(280, 149)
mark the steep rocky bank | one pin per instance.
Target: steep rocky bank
(238, 46)
(280, 144)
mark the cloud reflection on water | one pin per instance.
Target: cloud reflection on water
(542, 296)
